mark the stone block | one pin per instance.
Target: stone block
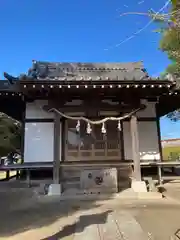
(54, 190)
(99, 180)
(138, 186)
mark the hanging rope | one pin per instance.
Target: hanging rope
(103, 129)
(119, 125)
(89, 129)
(95, 122)
(78, 126)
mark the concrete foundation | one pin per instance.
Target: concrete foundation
(54, 190)
(99, 181)
(138, 186)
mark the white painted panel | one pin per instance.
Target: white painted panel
(149, 143)
(38, 142)
(149, 111)
(148, 140)
(34, 110)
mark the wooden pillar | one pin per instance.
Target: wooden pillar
(159, 133)
(57, 148)
(135, 147)
(159, 167)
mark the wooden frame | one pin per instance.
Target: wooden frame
(93, 152)
(57, 148)
(159, 135)
(23, 131)
(135, 147)
(38, 120)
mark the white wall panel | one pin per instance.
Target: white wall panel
(148, 140)
(34, 110)
(38, 145)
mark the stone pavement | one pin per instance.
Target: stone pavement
(172, 190)
(26, 216)
(115, 225)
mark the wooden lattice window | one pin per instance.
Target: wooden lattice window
(94, 146)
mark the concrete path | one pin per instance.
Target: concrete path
(97, 224)
(171, 190)
(26, 216)
(116, 225)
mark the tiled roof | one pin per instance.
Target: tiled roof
(5, 86)
(88, 71)
(7, 89)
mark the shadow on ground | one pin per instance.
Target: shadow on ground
(22, 211)
(83, 222)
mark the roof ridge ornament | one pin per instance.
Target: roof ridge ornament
(11, 80)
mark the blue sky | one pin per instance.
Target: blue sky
(59, 30)
(169, 129)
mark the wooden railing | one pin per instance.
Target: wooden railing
(110, 164)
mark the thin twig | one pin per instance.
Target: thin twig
(148, 14)
(134, 13)
(143, 28)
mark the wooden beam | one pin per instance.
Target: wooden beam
(135, 147)
(98, 107)
(98, 102)
(122, 142)
(23, 128)
(57, 146)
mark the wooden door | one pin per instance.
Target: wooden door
(94, 146)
